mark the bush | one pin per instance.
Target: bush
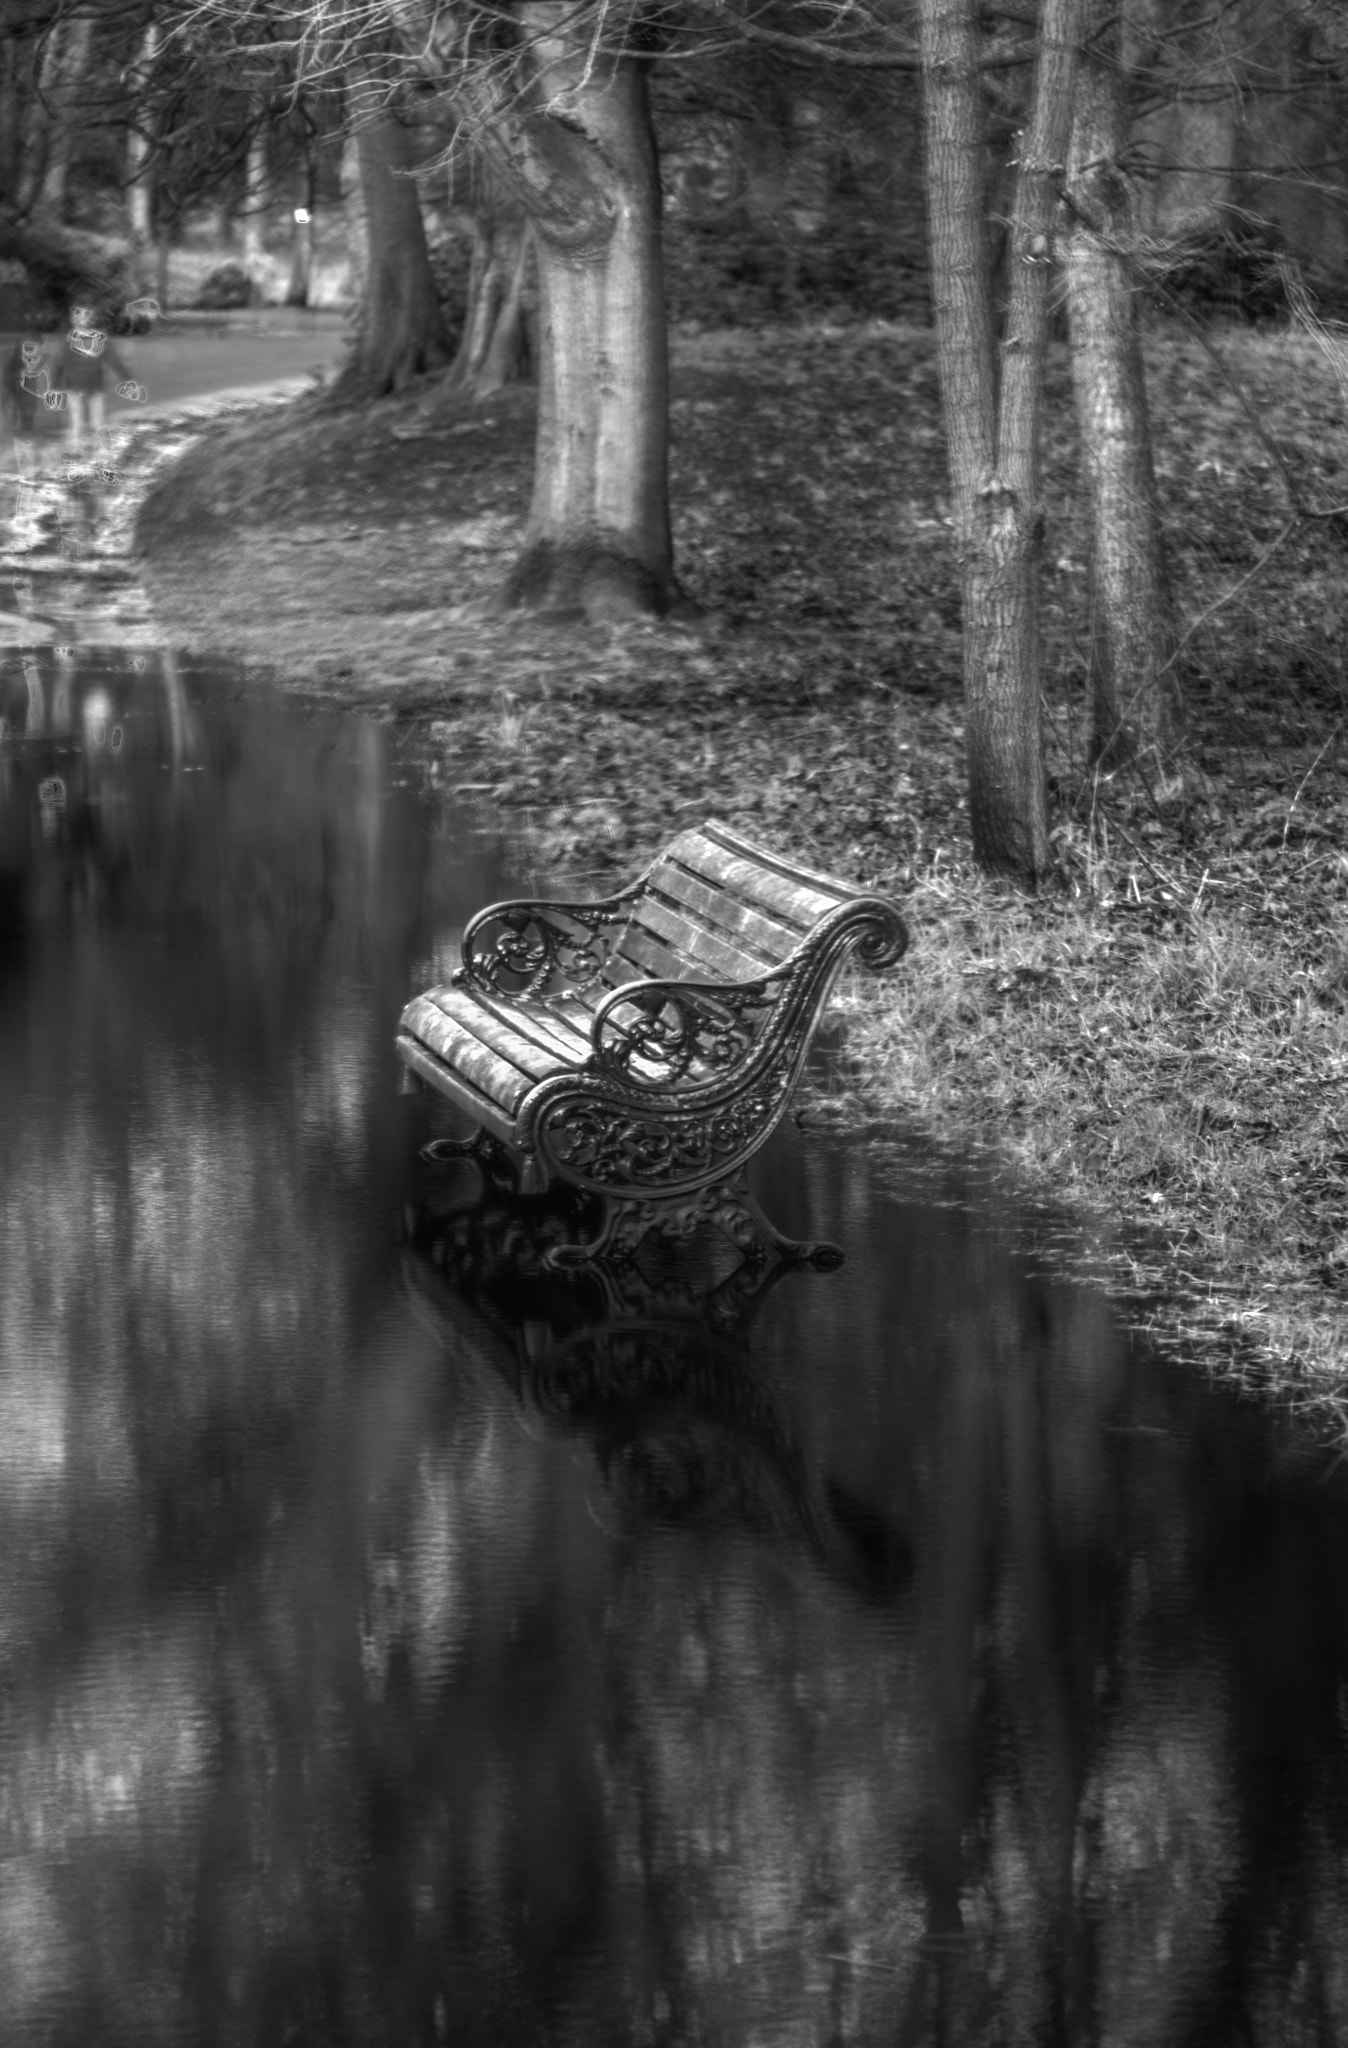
(225, 289)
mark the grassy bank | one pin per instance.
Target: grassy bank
(1162, 1037)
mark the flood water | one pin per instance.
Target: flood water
(399, 1648)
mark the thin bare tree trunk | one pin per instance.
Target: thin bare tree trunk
(301, 263)
(11, 129)
(139, 177)
(1132, 699)
(994, 433)
(255, 203)
(357, 237)
(493, 348)
(507, 354)
(486, 288)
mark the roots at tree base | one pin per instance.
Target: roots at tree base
(596, 579)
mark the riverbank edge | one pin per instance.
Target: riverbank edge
(1024, 1033)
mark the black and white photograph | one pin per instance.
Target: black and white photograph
(674, 1024)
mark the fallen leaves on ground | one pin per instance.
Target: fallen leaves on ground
(1163, 1035)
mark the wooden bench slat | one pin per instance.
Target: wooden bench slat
(797, 903)
(694, 952)
(500, 1058)
(640, 958)
(544, 1024)
(762, 860)
(484, 1070)
(770, 940)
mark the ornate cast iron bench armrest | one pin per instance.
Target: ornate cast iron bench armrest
(655, 1034)
(524, 947)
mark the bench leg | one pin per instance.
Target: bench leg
(492, 1159)
(742, 1217)
(727, 1204)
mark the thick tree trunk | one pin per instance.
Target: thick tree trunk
(1132, 697)
(994, 434)
(66, 261)
(578, 150)
(402, 335)
(598, 539)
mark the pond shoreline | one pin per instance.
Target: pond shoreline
(1159, 1041)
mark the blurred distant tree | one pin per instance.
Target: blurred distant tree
(493, 348)
(139, 173)
(257, 197)
(50, 140)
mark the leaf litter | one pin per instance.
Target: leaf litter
(1161, 1037)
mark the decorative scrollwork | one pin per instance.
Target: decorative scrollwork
(653, 1034)
(601, 1143)
(524, 949)
(882, 937)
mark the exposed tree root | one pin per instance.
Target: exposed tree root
(595, 579)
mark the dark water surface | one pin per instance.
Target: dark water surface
(396, 1651)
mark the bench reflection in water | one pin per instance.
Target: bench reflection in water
(648, 1362)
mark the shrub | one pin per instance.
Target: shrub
(225, 289)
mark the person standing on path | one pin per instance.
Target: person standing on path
(23, 382)
(86, 357)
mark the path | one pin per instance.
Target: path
(64, 559)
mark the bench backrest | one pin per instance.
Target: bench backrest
(717, 908)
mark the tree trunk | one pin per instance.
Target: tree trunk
(70, 58)
(402, 335)
(357, 239)
(994, 434)
(484, 298)
(67, 261)
(1132, 699)
(507, 356)
(139, 177)
(139, 189)
(255, 204)
(41, 95)
(11, 133)
(493, 348)
(577, 148)
(301, 263)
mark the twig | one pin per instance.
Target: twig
(1270, 551)
(1287, 823)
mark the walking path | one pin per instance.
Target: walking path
(65, 555)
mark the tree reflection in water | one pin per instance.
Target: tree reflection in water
(401, 1645)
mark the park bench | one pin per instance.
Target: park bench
(642, 1048)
